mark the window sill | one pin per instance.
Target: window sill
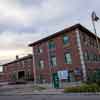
(92, 62)
(53, 49)
(66, 45)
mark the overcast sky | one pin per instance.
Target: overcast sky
(25, 21)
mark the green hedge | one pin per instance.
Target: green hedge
(83, 88)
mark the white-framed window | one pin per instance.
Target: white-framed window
(1, 68)
(41, 64)
(68, 58)
(65, 39)
(53, 61)
(40, 50)
(86, 56)
(51, 44)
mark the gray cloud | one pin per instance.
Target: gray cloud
(25, 21)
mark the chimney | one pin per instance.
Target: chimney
(29, 54)
(17, 57)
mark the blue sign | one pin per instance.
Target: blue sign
(77, 71)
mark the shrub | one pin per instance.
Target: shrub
(98, 82)
(72, 89)
(83, 88)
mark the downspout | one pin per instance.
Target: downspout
(81, 55)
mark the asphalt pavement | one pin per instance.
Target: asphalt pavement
(51, 97)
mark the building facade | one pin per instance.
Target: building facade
(74, 50)
(1, 76)
(19, 69)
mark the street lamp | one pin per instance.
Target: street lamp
(95, 18)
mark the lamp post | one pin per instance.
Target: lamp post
(95, 18)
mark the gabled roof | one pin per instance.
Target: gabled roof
(79, 26)
(17, 60)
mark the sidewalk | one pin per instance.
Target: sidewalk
(27, 89)
(47, 91)
(29, 92)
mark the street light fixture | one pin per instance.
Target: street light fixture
(95, 18)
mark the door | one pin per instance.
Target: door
(55, 80)
(21, 75)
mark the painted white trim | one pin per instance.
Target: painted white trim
(81, 55)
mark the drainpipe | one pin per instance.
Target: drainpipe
(81, 55)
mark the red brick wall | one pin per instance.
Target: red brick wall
(89, 64)
(9, 69)
(1, 76)
(59, 51)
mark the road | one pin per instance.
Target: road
(51, 97)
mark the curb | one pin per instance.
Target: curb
(68, 94)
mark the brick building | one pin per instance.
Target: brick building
(19, 69)
(73, 49)
(1, 76)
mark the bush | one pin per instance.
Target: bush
(83, 88)
(72, 89)
(98, 82)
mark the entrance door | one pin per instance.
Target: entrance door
(55, 80)
(21, 75)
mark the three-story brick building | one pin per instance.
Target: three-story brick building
(73, 50)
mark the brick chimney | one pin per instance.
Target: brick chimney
(17, 57)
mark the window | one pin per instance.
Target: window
(68, 58)
(95, 57)
(83, 37)
(86, 56)
(1, 68)
(86, 39)
(65, 39)
(22, 63)
(41, 64)
(92, 57)
(51, 44)
(40, 50)
(53, 61)
(98, 58)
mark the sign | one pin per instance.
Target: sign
(77, 71)
(63, 74)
